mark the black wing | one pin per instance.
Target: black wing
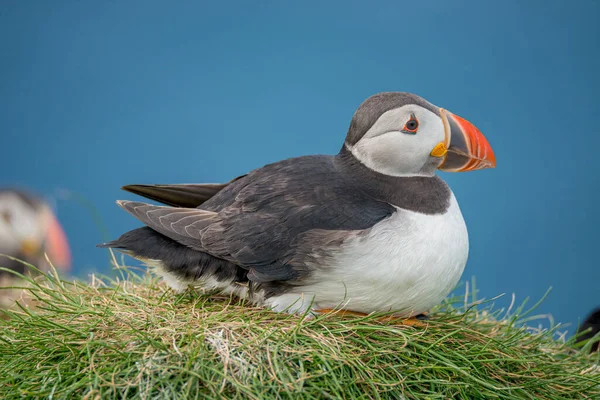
(273, 220)
(182, 195)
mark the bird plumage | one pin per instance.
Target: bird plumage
(28, 231)
(302, 229)
(591, 327)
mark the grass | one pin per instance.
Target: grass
(131, 337)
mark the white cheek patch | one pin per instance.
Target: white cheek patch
(8, 242)
(388, 154)
(24, 223)
(386, 149)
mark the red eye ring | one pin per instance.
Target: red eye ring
(412, 126)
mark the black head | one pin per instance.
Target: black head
(594, 318)
(375, 106)
(402, 134)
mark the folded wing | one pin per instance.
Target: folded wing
(274, 222)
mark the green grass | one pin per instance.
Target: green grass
(133, 338)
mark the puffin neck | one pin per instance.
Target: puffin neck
(424, 194)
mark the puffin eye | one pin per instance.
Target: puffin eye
(412, 125)
(6, 216)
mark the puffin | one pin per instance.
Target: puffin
(370, 229)
(29, 230)
(591, 323)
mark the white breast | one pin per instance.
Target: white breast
(407, 263)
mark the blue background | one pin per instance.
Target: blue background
(95, 95)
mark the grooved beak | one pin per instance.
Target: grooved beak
(468, 149)
(57, 246)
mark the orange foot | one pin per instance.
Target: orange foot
(418, 321)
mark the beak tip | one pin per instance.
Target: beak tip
(471, 150)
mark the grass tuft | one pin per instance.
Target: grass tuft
(133, 338)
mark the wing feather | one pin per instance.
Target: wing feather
(184, 225)
(180, 195)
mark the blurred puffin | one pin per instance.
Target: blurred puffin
(28, 229)
(369, 229)
(592, 322)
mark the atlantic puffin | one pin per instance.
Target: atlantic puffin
(370, 229)
(29, 230)
(592, 325)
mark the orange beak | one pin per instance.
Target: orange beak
(57, 246)
(468, 149)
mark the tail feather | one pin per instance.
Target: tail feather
(176, 259)
(112, 244)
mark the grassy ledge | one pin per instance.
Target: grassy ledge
(134, 338)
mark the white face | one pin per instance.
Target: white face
(18, 223)
(389, 149)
